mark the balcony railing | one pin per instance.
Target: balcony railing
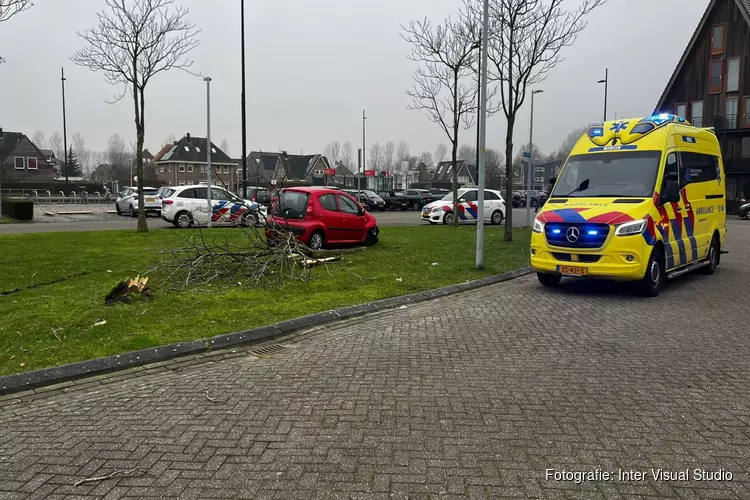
(728, 122)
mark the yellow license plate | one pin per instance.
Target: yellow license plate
(425, 214)
(573, 270)
(149, 200)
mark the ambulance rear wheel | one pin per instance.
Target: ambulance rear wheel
(549, 280)
(653, 280)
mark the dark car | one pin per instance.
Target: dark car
(259, 195)
(439, 193)
(518, 199)
(535, 197)
(319, 217)
(419, 197)
(394, 200)
(368, 199)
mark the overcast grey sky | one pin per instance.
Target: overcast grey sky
(312, 66)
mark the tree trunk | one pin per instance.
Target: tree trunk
(139, 130)
(509, 180)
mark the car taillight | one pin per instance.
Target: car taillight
(167, 202)
(255, 198)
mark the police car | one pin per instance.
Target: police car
(185, 206)
(441, 211)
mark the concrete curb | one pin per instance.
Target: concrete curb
(48, 376)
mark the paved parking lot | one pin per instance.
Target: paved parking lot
(470, 396)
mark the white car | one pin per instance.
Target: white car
(441, 211)
(127, 201)
(185, 206)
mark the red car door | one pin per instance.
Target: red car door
(331, 218)
(353, 222)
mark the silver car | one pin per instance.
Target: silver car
(127, 201)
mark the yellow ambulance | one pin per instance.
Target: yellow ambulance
(637, 200)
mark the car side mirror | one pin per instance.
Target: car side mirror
(461, 200)
(671, 189)
(360, 211)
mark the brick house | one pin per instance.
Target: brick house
(184, 162)
(21, 161)
(710, 87)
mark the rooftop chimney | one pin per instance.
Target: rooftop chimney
(188, 136)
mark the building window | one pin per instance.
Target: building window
(197, 149)
(746, 147)
(733, 74)
(19, 162)
(714, 77)
(730, 112)
(697, 114)
(213, 150)
(182, 183)
(181, 168)
(746, 115)
(226, 170)
(717, 39)
(31, 163)
(682, 109)
(203, 169)
(187, 149)
(161, 169)
(189, 168)
(170, 168)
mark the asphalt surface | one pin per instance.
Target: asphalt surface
(102, 221)
(476, 395)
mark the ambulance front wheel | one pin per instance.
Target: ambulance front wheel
(549, 280)
(653, 280)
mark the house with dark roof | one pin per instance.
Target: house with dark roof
(710, 87)
(185, 162)
(443, 176)
(21, 161)
(264, 168)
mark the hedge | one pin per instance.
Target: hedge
(18, 209)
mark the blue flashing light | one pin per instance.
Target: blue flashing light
(556, 231)
(596, 132)
(593, 232)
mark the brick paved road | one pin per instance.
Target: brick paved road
(472, 396)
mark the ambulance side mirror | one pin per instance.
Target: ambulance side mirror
(671, 188)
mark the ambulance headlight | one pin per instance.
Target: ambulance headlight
(538, 226)
(630, 228)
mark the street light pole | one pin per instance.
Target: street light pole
(364, 151)
(482, 127)
(65, 126)
(531, 160)
(244, 116)
(478, 45)
(208, 146)
(606, 83)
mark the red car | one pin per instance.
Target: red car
(320, 216)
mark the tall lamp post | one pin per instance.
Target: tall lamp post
(65, 126)
(605, 82)
(208, 147)
(364, 151)
(481, 151)
(478, 46)
(244, 117)
(530, 165)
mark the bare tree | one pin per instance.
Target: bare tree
(375, 161)
(346, 154)
(38, 139)
(117, 157)
(170, 140)
(9, 8)
(440, 152)
(56, 145)
(566, 146)
(389, 156)
(445, 53)
(526, 38)
(84, 155)
(494, 157)
(333, 152)
(467, 153)
(134, 42)
(518, 162)
(225, 147)
(402, 151)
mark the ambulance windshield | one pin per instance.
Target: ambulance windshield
(614, 174)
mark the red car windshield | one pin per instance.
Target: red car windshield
(291, 205)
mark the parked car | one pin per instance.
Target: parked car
(394, 200)
(442, 210)
(439, 193)
(259, 194)
(419, 197)
(518, 200)
(369, 199)
(319, 217)
(185, 206)
(127, 201)
(535, 198)
(744, 211)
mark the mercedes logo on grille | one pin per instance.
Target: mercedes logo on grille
(572, 234)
